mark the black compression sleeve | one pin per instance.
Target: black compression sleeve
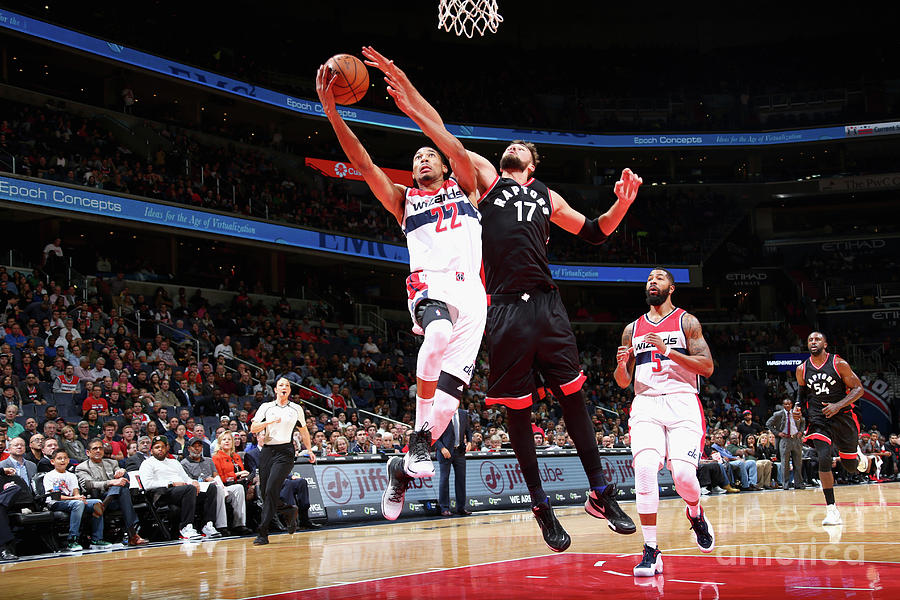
(802, 393)
(591, 232)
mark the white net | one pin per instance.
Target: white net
(465, 17)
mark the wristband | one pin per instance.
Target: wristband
(667, 352)
(590, 231)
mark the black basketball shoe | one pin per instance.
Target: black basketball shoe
(398, 481)
(554, 534)
(706, 539)
(417, 462)
(651, 563)
(603, 505)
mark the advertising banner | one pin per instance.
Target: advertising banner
(634, 274)
(887, 128)
(345, 170)
(85, 200)
(93, 202)
(352, 490)
(865, 320)
(860, 183)
(876, 404)
(785, 362)
(316, 506)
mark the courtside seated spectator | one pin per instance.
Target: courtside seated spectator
(166, 477)
(102, 478)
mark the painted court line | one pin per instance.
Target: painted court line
(787, 558)
(697, 582)
(323, 587)
(809, 587)
(617, 573)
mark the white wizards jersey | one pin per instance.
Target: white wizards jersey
(443, 230)
(655, 374)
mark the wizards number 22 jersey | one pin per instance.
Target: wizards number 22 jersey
(655, 374)
(443, 230)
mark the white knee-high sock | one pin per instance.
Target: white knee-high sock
(423, 411)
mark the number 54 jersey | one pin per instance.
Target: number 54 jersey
(443, 231)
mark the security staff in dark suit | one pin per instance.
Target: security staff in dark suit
(451, 450)
(788, 425)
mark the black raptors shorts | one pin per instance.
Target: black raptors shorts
(841, 431)
(527, 334)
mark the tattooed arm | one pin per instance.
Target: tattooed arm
(625, 359)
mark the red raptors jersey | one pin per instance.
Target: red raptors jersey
(655, 374)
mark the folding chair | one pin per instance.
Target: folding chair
(150, 498)
(45, 522)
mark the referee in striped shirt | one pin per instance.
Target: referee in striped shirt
(277, 419)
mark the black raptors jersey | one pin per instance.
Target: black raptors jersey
(824, 385)
(515, 224)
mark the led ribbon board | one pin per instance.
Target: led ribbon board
(117, 52)
(90, 202)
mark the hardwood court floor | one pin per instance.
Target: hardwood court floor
(765, 543)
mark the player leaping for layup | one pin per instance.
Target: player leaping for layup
(528, 329)
(666, 350)
(446, 295)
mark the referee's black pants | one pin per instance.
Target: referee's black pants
(275, 462)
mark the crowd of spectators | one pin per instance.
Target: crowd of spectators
(58, 146)
(73, 371)
(641, 239)
(62, 147)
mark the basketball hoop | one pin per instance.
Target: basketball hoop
(468, 16)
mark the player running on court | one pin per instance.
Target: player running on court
(667, 353)
(528, 329)
(446, 295)
(828, 387)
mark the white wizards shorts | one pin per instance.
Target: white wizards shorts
(671, 424)
(464, 295)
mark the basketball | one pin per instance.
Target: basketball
(352, 78)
